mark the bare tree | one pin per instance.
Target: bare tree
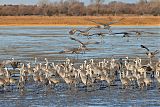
(143, 1)
(97, 3)
(44, 5)
(43, 2)
(77, 8)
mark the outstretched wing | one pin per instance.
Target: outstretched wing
(156, 52)
(142, 46)
(5, 62)
(66, 51)
(72, 32)
(94, 42)
(110, 23)
(144, 32)
(126, 33)
(150, 32)
(76, 40)
(136, 31)
(88, 29)
(100, 34)
(116, 21)
(97, 22)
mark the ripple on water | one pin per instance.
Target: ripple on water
(25, 43)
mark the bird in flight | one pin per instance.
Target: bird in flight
(139, 33)
(149, 53)
(83, 44)
(81, 48)
(86, 31)
(106, 25)
(125, 34)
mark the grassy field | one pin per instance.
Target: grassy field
(75, 20)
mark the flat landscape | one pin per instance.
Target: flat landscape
(26, 43)
(77, 20)
(80, 53)
(47, 47)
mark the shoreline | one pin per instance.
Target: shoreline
(64, 25)
(78, 20)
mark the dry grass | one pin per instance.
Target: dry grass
(75, 20)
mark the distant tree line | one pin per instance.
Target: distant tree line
(77, 8)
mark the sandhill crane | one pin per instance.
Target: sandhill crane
(158, 66)
(106, 25)
(87, 73)
(36, 78)
(139, 33)
(8, 79)
(15, 64)
(53, 81)
(158, 71)
(83, 44)
(108, 78)
(2, 82)
(29, 69)
(80, 49)
(125, 34)
(124, 80)
(3, 63)
(2, 72)
(82, 32)
(72, 51)
(147, 81)
(143, 80)
(84, 78)
(61, 72)
(140, 81)
(101, 35)
(158, 77)
(149, 53)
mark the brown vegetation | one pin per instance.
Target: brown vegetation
(74, 12)
(76, 20)
(77, 8)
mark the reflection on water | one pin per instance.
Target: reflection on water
(107, 97)
(25, 43)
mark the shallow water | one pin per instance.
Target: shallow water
(25, 43)
(101, 98)
(29, 42)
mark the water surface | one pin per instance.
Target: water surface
(25, 43)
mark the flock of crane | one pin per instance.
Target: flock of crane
(124, 72)
(127, 73)
(107, 27)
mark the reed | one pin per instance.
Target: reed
(77, 20)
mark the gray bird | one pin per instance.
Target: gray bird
(125, 34)
(149, 53)
(106, 25)
(83, 45)
(82, 32)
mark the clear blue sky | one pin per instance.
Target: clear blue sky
(35, 1)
